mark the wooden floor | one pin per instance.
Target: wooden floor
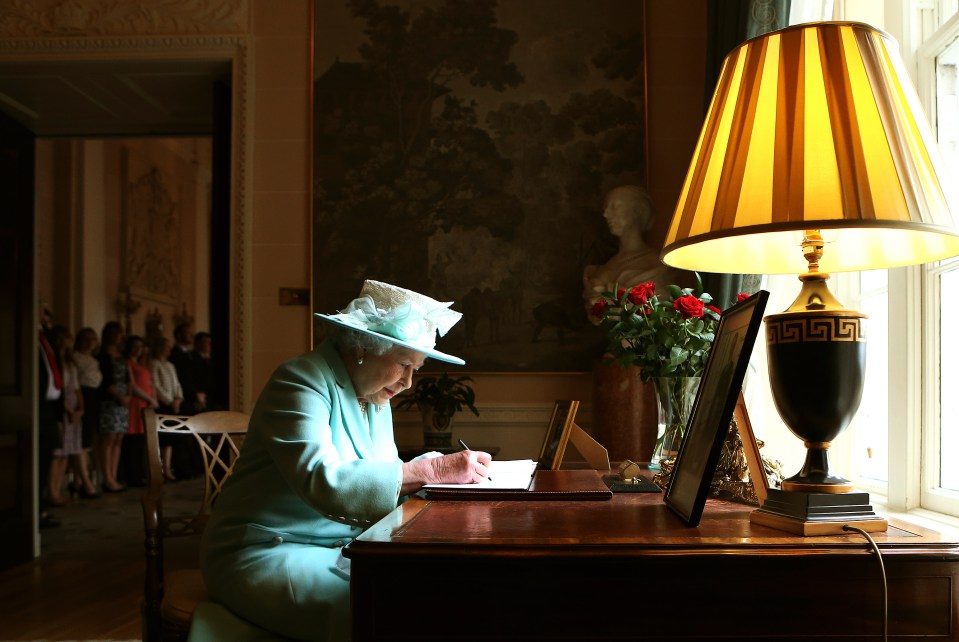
(87, 583)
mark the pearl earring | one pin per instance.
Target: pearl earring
(359, 361)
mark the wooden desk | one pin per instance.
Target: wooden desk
(627, 569)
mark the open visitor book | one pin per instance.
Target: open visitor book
(529, 479)
(526, 483)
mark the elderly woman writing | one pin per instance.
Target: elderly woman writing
(319, 465)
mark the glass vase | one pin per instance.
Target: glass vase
(675, 397)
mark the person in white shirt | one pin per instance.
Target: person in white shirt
(70, 453)
(169, 393)
(88, 371)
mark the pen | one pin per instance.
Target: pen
(465, 447)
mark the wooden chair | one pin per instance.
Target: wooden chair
(170, 598)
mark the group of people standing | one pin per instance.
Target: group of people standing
(93, 390)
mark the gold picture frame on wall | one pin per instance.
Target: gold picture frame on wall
(473, 169)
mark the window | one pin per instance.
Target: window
(937, 62)
(870, 432)
(904, 442)
(908, 447)
(946, 285)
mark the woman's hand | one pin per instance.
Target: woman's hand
(463, 467)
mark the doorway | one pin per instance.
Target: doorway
(82, 108)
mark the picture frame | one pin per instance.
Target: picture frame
(477, 179)
(557, 434)
(713, 410)
(754, 459)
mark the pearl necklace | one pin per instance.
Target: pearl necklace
(364, 406)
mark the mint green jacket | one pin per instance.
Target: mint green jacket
(313, 473)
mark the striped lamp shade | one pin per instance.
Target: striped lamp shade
(813, 127)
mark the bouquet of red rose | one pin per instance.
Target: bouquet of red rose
(666, 335)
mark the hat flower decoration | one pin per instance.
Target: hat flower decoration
(401, 316)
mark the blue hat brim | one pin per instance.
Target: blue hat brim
(432, 352)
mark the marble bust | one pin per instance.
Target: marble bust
(628, 210)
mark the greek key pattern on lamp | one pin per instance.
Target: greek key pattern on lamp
(804, 329)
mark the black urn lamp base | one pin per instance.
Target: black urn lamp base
(817, 513)
(815, 476)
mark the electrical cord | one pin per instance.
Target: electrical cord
(882, 570)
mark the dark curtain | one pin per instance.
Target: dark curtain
(729, 23)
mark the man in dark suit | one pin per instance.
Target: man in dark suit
(203, 378)
(181, 356)
(186, 458)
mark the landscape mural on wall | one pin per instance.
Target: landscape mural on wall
(463, 148)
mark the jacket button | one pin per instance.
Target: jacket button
(277, 539)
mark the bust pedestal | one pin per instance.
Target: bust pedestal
(624, 412)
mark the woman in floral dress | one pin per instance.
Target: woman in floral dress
(115, 404)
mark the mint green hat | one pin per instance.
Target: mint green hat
(401, 316)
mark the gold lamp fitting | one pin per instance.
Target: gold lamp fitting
(815, 295)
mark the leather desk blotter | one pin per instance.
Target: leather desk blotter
(547, 485)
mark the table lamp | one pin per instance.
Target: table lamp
(814, 158)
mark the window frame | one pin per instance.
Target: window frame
(922, 400)
(932, 495)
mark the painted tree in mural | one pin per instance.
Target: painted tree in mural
(493, 203)
(410, 151)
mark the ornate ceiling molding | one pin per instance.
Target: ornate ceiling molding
(64, 18)
(112, 44)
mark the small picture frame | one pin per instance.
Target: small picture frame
(754, 459)
(715, 402)
(557, 434)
